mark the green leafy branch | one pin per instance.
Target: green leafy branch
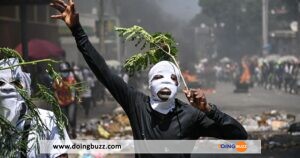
(10, 53)
(30, 63)
(6, 53)
(77, 87)
(10, 135)
(46, 95)
(10, 146)
(162, 46)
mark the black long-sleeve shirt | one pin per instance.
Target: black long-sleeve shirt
(184, 122)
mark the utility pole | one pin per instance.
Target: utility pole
(265, 26)
(298, 20)
(23, 21)
(118, 43)
(101, 21)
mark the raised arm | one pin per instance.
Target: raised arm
(117, 87)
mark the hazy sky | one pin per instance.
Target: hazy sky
(183, 9)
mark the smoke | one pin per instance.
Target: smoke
(152, 16)
(146, 13)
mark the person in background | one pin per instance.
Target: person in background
(88, 83)
(95, 94)
(288, 69)
(65, 92)
(78, 73)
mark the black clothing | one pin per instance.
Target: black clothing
(184, 122)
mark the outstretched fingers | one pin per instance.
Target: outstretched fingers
(73, 8)
(71, 2)
(58, 6)
(61, 2)
(57, 17)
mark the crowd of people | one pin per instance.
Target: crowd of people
(283, 76)
(282, 73)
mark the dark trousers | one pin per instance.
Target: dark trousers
(70, 112)
(86, 103)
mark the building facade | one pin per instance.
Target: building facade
(39, 24)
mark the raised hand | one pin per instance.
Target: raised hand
(197, 98)
(67, 12)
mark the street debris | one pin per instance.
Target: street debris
(268, 121)
(276, 140)
(110, 126)
(107, 127)
(294, 128)
(277, 130)
(115, 126)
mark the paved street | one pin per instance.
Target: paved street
(256, 101)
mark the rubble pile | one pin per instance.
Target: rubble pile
(273, 140)
(268, 121)
(108, 126)
(275, 129)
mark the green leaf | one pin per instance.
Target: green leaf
(158, 43)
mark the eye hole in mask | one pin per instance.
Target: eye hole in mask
(2, 83)
(156, 77)
(17, 83)
(173, 77)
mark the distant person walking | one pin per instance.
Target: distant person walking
(65, 93)
(88, 83)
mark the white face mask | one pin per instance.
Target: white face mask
(165, 69)
(10, 100)
(165, 82)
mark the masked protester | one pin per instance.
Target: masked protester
(160, 116)
(14, 109)
(66, 95)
